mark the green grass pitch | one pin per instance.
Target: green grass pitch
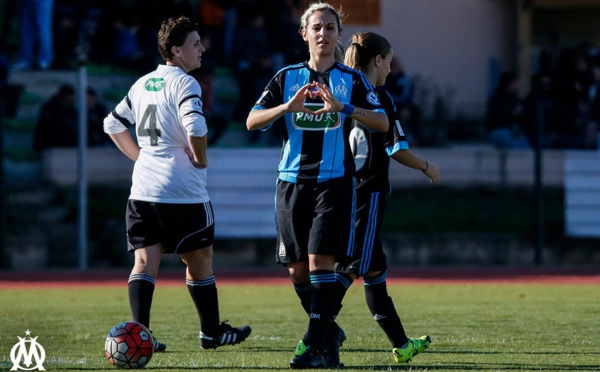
(474, 327)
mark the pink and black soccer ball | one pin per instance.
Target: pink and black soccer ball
(129, 345)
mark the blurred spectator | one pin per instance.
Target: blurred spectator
(35, 17)
(97, 111)
(3, 84)
(128, 37)
(215, 120)
(401, 87)
(127, 51)
(504, 115)
(593, 106)
(399, 84)
(540, 105)
(593, 93)
(4, 70)
(282, 23)
(577, 130)
(150, 14)
(57, 121)
(288, 36)
(253, 82)
(67, 16)
(75, 29)
(218, 20)
(251, 41)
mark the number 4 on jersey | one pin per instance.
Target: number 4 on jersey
(149, 130)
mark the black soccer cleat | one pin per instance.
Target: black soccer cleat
(159, 347)
(226, 335)
(334, 339)
(310, 359)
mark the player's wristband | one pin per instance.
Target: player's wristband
(198, 165)
(348, 109)
(426, 166)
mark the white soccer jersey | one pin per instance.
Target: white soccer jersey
(165, 107)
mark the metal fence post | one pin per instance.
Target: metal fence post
(82, 166)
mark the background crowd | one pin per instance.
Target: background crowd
(564, 101)
(254, 39)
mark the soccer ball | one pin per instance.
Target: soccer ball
(129, 345)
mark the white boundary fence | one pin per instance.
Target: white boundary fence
(582, 194)
(241, 181)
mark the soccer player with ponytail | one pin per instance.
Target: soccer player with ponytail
(372, 54)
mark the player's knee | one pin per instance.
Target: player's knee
(372, 274)
(299, 272)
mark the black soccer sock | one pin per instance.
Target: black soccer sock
(204, 295)
(303, 290)
(323, 303)
(383, 310)
(141, 290)
(344, 282)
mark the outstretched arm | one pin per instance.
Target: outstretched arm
(411, 160)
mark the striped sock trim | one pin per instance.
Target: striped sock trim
(141, 277)
(322, 277)
(202, 282)
(381, 278)
(302, 287)
(343, 280)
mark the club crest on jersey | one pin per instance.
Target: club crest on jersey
(341, 91)
(154, 84)
(327, 120)
(372, 98)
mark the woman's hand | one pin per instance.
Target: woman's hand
(190, 155)
(296, 104)
(331, 103)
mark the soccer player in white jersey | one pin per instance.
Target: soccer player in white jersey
(169, 210)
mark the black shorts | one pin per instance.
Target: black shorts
(368, 252)
(315, 218)
(180, 228)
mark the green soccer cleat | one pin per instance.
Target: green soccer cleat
(300, 348)
(421, 344)
(413, 347)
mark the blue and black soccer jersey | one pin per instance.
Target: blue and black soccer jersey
(316, 147)
(372, 150)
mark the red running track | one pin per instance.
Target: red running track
(279, 276)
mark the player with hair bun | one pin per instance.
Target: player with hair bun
(315, 102)
(169, 210)
(372, 54)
